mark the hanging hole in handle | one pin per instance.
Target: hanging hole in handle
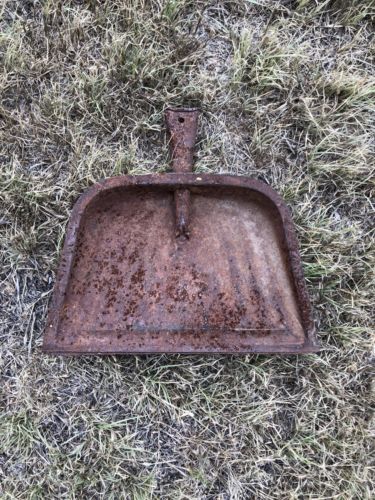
(180, 119)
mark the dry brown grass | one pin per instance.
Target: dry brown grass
(287, 89)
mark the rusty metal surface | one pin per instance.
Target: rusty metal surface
(127, 284)
(182, 127)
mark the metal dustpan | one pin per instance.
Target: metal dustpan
(180, 262)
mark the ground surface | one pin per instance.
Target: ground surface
(287, 90)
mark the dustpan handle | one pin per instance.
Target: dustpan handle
(182, 127)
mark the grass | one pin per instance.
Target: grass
(287, 91)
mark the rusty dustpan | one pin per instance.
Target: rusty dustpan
(180, 262)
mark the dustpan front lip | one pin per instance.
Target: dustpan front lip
(306, 348)
(173, 181)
